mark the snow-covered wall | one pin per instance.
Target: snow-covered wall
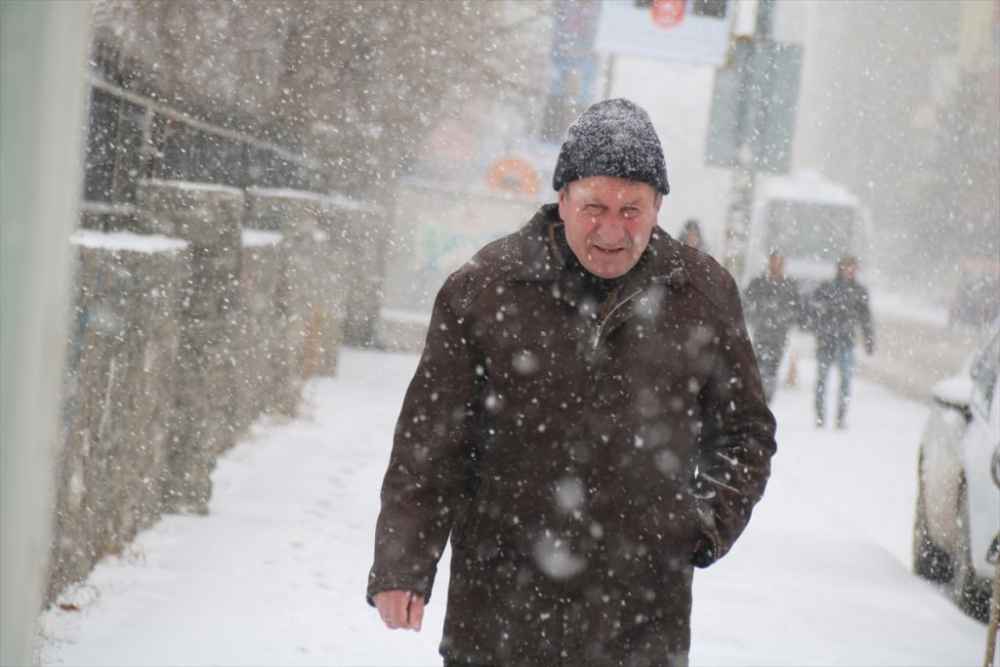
(181, 336)
(117, 396)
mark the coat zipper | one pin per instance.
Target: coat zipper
(600, 325)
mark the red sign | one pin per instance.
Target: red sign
(693, 31)
(668, 13)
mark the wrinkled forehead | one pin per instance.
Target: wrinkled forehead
(612, 191)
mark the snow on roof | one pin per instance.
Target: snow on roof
(807, 186)
(89, 238)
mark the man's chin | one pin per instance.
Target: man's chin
(608, 265)
(607, 272)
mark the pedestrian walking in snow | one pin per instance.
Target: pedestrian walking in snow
(839, 307)
(691, 235)
(773, 307)
(586, 423)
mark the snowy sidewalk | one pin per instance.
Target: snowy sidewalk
(275, 575)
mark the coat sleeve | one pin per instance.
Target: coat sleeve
(737, 438)
(867, 327)
(430, 472)
(812, 310)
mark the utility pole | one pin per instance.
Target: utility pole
(743, 185)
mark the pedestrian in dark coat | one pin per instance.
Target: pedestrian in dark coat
(839, 308)
(691, 235)
(586, 423)
(773, 307)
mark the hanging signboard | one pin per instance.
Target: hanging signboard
(692, 31)
(754, 105)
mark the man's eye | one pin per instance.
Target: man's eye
(630, 212)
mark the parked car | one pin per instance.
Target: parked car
(956, 533)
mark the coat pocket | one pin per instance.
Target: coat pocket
(466, 532)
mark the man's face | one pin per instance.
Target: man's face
(777, 265)
(608, 222)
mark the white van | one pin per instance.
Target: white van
(810, 219)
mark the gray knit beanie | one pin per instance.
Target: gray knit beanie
(612, 138)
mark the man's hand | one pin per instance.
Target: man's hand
(400, 609)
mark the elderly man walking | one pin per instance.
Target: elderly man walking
(586, 423)
(773, 306)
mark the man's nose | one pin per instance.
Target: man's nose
(611, 231)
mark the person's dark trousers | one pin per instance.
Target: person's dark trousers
(825, 358)
(768, 360)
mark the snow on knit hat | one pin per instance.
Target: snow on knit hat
(612, 138)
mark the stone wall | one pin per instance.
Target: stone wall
(332, 272)
(210, 314)
(265, 368)
(118, 395)
(215, 308)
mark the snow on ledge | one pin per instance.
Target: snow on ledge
(405, 316)
(260, 237)
(337, 200)
(88, 238)
(189, 185)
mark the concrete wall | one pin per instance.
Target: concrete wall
(43, 54)
(216, 308)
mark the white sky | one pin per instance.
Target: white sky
(276, 573)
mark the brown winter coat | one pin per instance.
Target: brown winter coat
(581, 456)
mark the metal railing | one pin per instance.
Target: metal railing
(133, 136)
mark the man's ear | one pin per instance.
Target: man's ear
(658, 201)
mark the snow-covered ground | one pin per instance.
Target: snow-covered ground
(275, 575)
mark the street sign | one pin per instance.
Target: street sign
(692, 31)
(752, 122)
